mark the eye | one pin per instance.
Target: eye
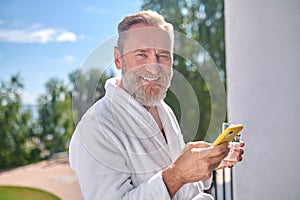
(164, 56)
(141, 55)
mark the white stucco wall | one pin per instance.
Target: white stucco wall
(263, 69)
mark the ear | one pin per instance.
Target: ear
(118, 61)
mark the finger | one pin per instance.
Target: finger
(218, 166)
(242, 143)
(219, 150)
(203, 152)
(241, 151)
(218, 158)
(223, 165)
(228, 164)
(240, 158)
(199, 144)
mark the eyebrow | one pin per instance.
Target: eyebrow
(141, 50)
(148, 49)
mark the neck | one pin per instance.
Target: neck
(149, 108)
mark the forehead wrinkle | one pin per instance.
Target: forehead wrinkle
(141, 38)
(158, 50)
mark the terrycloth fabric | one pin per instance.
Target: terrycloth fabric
(118, 151)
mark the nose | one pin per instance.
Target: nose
(153, 68)
(153, 65)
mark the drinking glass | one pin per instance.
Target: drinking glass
(234, 145)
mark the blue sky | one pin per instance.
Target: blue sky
(51, 38)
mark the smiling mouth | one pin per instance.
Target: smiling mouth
(150, 80)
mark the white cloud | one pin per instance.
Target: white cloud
(66, 36)
(41, 35)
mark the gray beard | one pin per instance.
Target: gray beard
(146, 95)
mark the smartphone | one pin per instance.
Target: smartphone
(228, 134)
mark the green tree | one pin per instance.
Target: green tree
(202, 21)
(63, 104)
(15, 125)
(87, 87)
(55, 122)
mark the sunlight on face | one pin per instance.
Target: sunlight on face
(147, 64)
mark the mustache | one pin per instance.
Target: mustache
(147, 74)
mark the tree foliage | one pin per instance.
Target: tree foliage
(55, 123)
(25, 139)
(15, 125)
(202, 21)
(87, 88)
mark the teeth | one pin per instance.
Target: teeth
(150, 79)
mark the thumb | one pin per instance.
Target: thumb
(203, 151)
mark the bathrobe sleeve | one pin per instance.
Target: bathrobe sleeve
(98, 181)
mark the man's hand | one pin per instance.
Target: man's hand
(195, 163)
(225, 163)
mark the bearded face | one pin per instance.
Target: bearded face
(146, 60)
(147, 88)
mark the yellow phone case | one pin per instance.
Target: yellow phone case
(228, 134)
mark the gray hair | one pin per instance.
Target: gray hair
(147, 17)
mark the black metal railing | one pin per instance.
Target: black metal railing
(222, 186)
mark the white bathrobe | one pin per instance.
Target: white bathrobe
(118, 151)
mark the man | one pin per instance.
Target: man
(128, 145)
